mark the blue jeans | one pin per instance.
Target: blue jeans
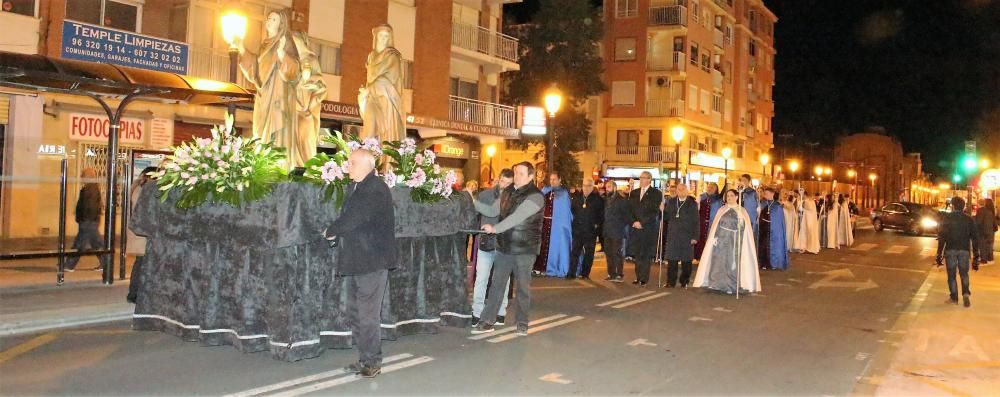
(87, 238)
(484, 266)
(956, 260)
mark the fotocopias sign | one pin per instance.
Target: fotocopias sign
(94, 128)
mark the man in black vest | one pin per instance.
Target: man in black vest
(588, 214)
(645, 202)
(365, 232)
(518, 243)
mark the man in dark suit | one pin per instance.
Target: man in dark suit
(588, 215)
(365, 233)
(681, 217)
(645, 202)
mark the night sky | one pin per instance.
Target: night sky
(925, 70)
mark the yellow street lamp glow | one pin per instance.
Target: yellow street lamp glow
(793, 165)
(945, 186)
(984, 164)
(727, 152)
(828, 171)
(872, 177)
(491, 150)
(818, 170)
(852, 173)
(765, 158)
(553, 100)
(234, 27)
(678, 134)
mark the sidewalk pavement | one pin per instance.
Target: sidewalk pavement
(30, 300)
(940, 349)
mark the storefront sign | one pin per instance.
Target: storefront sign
(708, 160)
(624, 172)
(86, 42)
(990, 179)
(90, 127)
(332, 109)
(460, 126)
(533, 120)
(454, 150)
(57, 150)
(161, 133)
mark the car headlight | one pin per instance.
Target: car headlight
(928, 223)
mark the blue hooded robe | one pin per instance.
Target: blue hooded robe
(561, 236)
(778, 252)
(750, 203)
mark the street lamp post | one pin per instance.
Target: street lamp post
(819, 178)
(794, 166)
(678, 135)
(764, 159)
(234, 29)
(872, 177)
(851, 173)
(829, 173)
(553, 100)
(726, 153)
(491, 150)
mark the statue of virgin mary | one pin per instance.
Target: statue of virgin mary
(380, 99)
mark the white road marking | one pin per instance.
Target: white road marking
(830, 280)
(864, 247)
(696, 318)
(928, 251)
(783, 285)
(722, 309)
(307, 379)
(513, 328)
(862, 356)
(640, 342)
(504, 338)
(896, 249)
(348, 379)
(555, 377)
(611, 302)
(640, 300)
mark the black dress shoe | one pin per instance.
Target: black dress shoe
(636, 282)
(642, 283)
(570, 276)
(965, 301)
(609, 278)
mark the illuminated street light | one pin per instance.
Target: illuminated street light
(678, 135)
(234, 30)
(764, 159)
(553, 100)
(491, 150)
(726, 153)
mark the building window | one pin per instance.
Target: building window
(23, 7)
(625, 49)
(706, 101)
(739, 150)
(705, 61)
(627, 142)
(714, 147)
(717, 62)
(717, 103)
(679, 44)
(464, 89)
(623, 93)
(753, 48)
(718, 22)
(727, 35)
(121, 14)
(626, 8)
(695, 11)
(693, 97)
(694, 53)
(329, 56)
(693, 142)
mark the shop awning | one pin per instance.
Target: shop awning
(101, 79)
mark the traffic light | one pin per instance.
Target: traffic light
(956, 178)
(969, 163)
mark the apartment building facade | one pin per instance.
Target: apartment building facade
(705, 66)
(453, 51)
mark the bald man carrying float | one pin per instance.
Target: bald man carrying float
(365, 233)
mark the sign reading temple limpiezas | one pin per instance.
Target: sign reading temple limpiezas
(86, 42)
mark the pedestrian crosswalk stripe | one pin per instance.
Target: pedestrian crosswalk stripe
(509, 329)
(896, 249)
(638, 301)
(864, 247)
(531, 330)
(307, 379)
(348, 379)
(619, 300)
(928, 251)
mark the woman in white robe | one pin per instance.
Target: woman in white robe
(807, 239)
(830, 220)
(730, 257)
(845, 233)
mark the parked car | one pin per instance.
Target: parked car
(913, 218)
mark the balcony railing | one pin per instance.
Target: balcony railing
(668, 15)
(664, 108)
(483, 113)
(675, 62)
(482, 40)
(718, 38)
(716, 78)
(640, 154)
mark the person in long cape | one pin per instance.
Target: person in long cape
(750, 201)
(845, 233)
(773, 244)
(807, 239)
(560, 229)
(831, 219)
(790, 206)
(730, 244)
(709, 204)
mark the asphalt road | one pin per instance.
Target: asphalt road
(812, 331)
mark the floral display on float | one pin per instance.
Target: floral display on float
(418, 171)
(224, 168)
